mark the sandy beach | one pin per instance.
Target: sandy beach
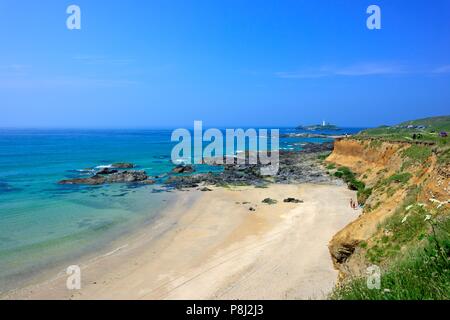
(210, 245)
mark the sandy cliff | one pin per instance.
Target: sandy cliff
(379, 164)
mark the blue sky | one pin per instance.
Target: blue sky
(229, 63)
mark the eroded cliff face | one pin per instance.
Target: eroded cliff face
(394, 171)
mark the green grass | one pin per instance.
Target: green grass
(375, 144)
(413, 250)
(399, 133)
(401, 231)
(417, 153)
(444, 156)
(323, 156)
(422, 274)
(349, 177)
(331, 166)
(441, 123)
(363, 194)
(401, 178)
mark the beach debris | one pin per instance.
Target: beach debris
(252, 209)
(269, 201)
(292, 200)
(205, 189)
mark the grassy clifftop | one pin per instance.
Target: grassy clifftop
(422, 130)
(441, 123)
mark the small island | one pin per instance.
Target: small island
(319, 127)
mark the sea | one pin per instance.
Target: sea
(44, 225)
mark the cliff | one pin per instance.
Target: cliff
(398, 176)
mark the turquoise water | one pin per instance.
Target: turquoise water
(43, 224)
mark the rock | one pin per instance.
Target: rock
(106, 171)
(148, 181)
(292, 200)
(117, 177)
(294, 167)
(183, 169)
(252, 209)
(127, 176)
(205, 189)
(343, 252)
(188, 181)
(269, 201)
(95, 180)
(122, 165)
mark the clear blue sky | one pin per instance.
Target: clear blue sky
(229, 63)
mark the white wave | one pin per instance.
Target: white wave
(109, 166)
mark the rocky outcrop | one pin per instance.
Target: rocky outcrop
(132, 176)
(294, 167)
(106, 171)
(183, 169)
(123, 165)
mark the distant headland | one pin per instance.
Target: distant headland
(318, 127)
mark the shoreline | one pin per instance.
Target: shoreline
(191, 251)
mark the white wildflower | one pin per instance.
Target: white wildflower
(421, 204)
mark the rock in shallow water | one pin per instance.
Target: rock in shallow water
(183, 169)
(117, 177)
(106, 171)
(122, 165)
